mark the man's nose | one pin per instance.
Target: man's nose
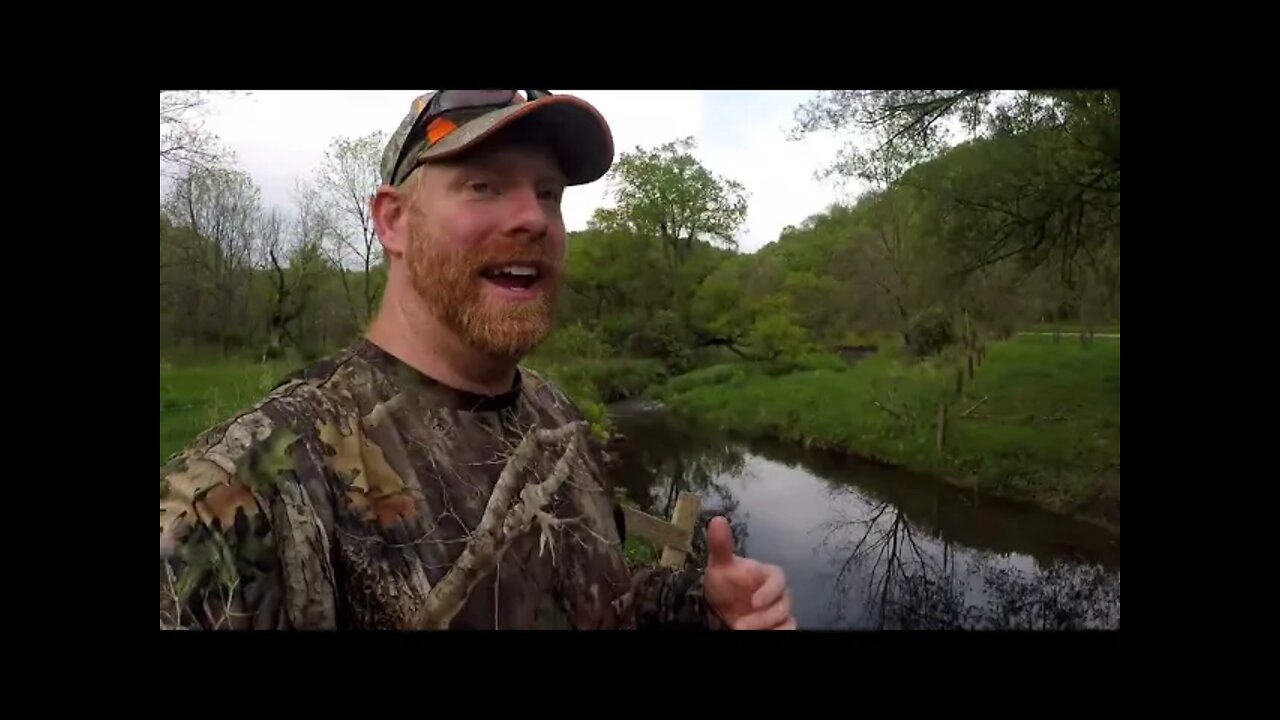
(528, 213)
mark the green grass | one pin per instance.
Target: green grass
(1048, 431)
(1069, 328)
(197, 394)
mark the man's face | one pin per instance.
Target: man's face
(486, 248)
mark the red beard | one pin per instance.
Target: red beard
(450, 283)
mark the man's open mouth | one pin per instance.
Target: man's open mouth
(513, 276)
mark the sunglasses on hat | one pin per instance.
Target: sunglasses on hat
(447, 101)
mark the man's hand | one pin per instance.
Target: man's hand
(747, 594)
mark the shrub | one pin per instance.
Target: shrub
(930, 333)
(575, 342)
(663, 338)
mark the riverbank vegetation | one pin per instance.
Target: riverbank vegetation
(1039, 422)
(975, 216)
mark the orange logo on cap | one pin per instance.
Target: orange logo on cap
(438, 129)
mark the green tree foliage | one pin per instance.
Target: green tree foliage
(720, 309)
(1046, 180)
(991, 211)
(616, 281)
(575, 342)
(636, 270)
(775, 334)
(666, 193)
(664, 337)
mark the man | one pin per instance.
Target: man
(421, 479)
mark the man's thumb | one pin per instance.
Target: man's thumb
(719, 541)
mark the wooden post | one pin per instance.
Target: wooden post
(942, 425)
(686, 514)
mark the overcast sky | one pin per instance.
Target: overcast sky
(280, 136)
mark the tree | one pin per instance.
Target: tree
(219, 209)
(775, 332)
(667, 193)
(615, 273)
(348, 180)
(721, 312)
(294, 263)
(1047, 176)
(184, 141)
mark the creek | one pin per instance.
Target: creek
(866, 546)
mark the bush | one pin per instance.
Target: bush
(604, 380)
(776, 337)
(930, 333)
(575, 342)
(663, 338)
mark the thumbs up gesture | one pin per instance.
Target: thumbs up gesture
(747, 594)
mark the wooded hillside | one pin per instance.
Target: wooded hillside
(1013, 220)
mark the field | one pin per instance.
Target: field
(197, 394)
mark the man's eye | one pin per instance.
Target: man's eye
(479, 186)
(550, 195)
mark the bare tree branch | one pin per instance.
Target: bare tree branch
(503, 522)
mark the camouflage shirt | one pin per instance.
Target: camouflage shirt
(346, 496)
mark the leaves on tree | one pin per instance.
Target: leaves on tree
(667, 193)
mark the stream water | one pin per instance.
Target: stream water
(866, 546)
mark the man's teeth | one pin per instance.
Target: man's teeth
(521, 270)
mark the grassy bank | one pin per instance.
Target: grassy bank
(1047, 430)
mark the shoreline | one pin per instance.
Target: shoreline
(1046, 434)
(1094, 519)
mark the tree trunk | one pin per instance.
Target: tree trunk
(942, 426)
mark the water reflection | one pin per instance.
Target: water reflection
(913, 580)
(870, 547)
(659, 456)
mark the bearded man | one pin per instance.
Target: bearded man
(421, 478)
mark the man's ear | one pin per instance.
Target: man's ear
(391, 220)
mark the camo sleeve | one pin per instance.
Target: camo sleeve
(239, 539)
(667, 598)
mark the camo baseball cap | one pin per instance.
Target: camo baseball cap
(582, 138)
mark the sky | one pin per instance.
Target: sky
(280, 136)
